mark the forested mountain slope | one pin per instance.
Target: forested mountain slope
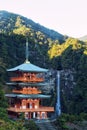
(10, 22)
(47, 49)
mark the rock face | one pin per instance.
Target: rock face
(66, 81)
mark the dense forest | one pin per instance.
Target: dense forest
(47, 49)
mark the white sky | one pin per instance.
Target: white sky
(68, 17)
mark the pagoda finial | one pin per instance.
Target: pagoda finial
(27, 52)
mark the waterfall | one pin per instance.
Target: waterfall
(58, 104)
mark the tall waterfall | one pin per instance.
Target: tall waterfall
(58, 104)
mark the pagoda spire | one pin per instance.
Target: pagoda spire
(27, 52)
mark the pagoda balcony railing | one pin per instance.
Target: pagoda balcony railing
(40, 109)
(26, 79)
(27, 91)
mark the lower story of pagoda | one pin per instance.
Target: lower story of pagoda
(31, 108)
(40, 113)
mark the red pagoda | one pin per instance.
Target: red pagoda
(26, 95)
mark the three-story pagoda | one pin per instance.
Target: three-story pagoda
(26, 95)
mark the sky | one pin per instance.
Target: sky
(68, 17)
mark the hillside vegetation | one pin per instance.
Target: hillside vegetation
(47, 49)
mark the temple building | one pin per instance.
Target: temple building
(26, 96)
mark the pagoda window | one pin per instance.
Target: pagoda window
(33, 105)
(36, 106)
(25, 75)
(30, 105)
(36, 101)
(24, 104)
(33, 76)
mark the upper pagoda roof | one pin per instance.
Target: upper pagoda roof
(28, 67)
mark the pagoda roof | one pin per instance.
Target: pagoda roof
(28, 67)
(27, 84)
(33, 96)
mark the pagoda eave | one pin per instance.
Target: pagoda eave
(28, 67)
(27, 84)
(25, 96)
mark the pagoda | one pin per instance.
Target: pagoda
(26, 96)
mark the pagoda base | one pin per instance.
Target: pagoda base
(39, 113)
